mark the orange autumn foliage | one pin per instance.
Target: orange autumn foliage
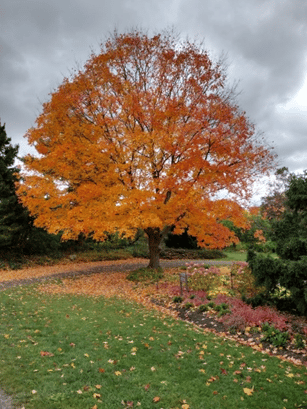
(146, 136)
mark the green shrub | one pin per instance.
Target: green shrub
(299, 341)
(203, 308)
(223, 312)
(188, 305)
(177, 299)
(222, 309)
(274, 336)
(203, 254)
(145, 274)
(291, 274)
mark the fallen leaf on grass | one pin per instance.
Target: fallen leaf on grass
(248, 391)
(101, 370)
(46, 353)
(185, 406)
(156, 399)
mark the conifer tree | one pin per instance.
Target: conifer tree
(13, 216)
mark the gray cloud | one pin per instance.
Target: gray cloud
(266, 43)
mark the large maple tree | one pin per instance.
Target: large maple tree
(145, 136)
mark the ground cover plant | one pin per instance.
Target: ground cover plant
(63, 351)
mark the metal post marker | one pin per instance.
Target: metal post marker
(183, 280)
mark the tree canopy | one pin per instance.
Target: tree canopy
(145, 136)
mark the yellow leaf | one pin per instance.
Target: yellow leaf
(248, 391)
(290, 375)
(118, 373)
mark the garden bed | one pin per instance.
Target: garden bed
(252, 339)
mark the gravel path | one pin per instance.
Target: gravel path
(5, 400)
(125, 266)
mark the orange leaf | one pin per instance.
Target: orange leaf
(156, 399)
(46, 353)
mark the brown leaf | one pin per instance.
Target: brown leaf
(146, 387)
(101, 370)
(46, 353)
(156, 399)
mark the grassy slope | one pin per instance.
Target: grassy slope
(65, 351)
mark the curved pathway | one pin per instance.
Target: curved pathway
(103, 268)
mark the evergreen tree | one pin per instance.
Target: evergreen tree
(13, 217)
(289, 231)
(17, 231)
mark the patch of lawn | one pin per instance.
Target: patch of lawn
(145, 274)
(64, 351)
(235, 255)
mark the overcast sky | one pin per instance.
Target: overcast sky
(265, 40)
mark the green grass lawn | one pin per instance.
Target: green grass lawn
(60, 351)
(234, 255)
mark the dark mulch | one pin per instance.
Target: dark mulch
(205, 320)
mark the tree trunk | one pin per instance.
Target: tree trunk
(154, 239)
